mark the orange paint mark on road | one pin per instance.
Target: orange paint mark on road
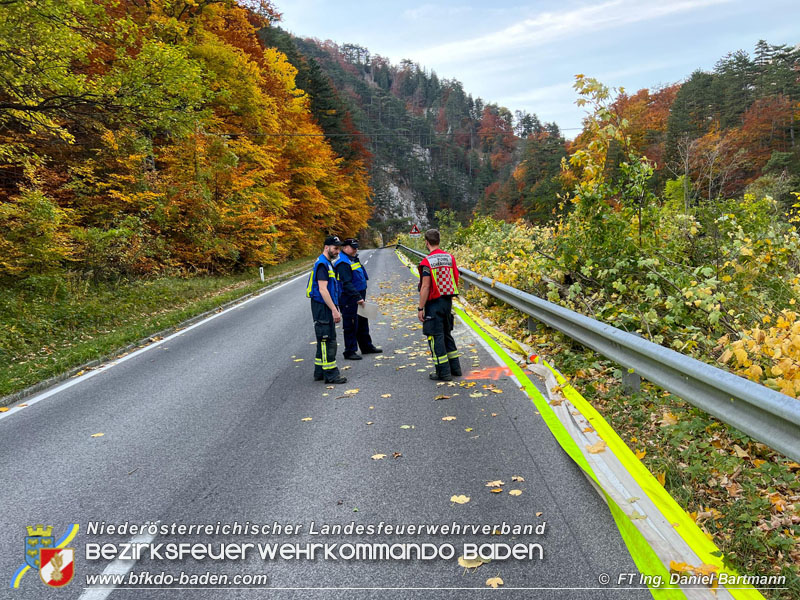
(493, 373)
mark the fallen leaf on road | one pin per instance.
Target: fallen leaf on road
(98, 434)
(516, 478)
(386, 395)
(448, 418)
(494, 391)
(369, 422)
(459, 499)
(494, 483)
(493, 582)
(476, 394)
(396, 455)
(470, 563)
(597, 448)
(556, 402)
(355, 391)
(4, 409)
(306, 419)
(468, 429)
(515, 492)
(406, 427)
(496, 490)
(298, 360)
(494, 414)
(442, 397)
(538, 514)
(377, 456)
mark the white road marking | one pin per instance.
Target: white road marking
(28, 402)
(118, 567)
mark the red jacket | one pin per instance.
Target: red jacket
(444, 274)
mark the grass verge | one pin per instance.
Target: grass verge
(53, 324)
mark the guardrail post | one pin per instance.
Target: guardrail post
(532, 324)
(631, 381)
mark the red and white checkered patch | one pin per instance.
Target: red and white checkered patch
(444, 281)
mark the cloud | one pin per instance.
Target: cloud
(433, 11)
(548, 27)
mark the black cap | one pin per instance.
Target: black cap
(350, 242)
(333, 240)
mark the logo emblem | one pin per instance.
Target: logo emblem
(38, 537)
(55, 563)
(58, 566)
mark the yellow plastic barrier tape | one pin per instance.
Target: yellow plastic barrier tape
(695, 538)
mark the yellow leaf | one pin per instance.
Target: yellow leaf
(448, 418)
(495, 483)
(668, 419)
(597, 448)
(516, 478)
(662, 478)
(369, 423)
(539, 514)
(640, 454)
(496, 490)
(377, 456)
(740, 452)
(706, 569)
(98, 434)
(515, 492)
(679, 567)
(386, 395)
(726, 356)
(459, 499)
(298, 360)
(355, 391)
(4, 409)
(493, 582)
(471, 563)
(306, 419)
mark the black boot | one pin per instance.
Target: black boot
(337, 379)
(352, 356)
(372, 350)
(455, 367)
(437, 377)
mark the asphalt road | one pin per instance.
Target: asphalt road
(209, 427)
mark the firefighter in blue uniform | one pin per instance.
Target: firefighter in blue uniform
(323, 289)
(353, 281)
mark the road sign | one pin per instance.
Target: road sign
(415, 232)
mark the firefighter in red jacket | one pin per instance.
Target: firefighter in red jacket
(438, 283)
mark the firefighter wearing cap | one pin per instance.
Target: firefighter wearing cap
(438, 283)
(353, 281)
(323, 289)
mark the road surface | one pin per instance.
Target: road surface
(224, 423)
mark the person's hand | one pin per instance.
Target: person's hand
(337, 316)
(421, 316)
(362, 302)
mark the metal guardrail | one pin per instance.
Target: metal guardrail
(764, 414)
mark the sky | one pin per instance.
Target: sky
(525, 55)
